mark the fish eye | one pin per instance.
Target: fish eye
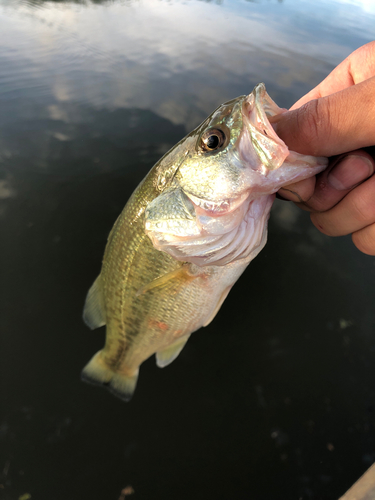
(212, 139)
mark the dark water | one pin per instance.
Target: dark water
(276, 398)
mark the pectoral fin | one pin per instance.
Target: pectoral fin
(94, 312)
(180, 275)
(166, 356)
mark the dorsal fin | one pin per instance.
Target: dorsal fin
(94, 312)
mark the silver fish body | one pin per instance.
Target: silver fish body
(186, 235)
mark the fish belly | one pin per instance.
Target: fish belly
(149, 302)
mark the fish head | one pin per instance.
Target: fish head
(215, 207)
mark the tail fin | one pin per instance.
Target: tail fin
(97, 372)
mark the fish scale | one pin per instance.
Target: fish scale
(185, 236)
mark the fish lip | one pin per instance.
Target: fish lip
(264, 106)
(266, 145)
(216, 209)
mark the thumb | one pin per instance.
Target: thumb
(331, 125)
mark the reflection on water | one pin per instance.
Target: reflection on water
(275, 398)
(181, 65)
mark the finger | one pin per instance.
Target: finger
(364, 239)
(334, 124)
(339, 179)
(318, 194)
(299, 191)
(356, 68)
(354, 212)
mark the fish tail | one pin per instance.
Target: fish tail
(97, 372)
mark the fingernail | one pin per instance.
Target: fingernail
(349, 172)
(289, 195)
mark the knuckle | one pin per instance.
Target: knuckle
(366, 53)
(313, 120)
(323, 199)
(364, 209)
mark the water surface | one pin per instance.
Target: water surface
(275, 398)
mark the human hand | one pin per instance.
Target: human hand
(336, 119)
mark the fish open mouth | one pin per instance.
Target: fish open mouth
(214, 232)
(218, 239)
(259, 145)
(216, 209)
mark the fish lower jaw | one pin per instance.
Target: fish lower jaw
(216, 209)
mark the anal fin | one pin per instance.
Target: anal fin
(94, 312)
(166, 356)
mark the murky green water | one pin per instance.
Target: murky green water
(276, 398)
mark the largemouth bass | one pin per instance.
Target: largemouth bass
(186, 235)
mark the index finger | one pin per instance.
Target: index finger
(356, 68)
(332, 125)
